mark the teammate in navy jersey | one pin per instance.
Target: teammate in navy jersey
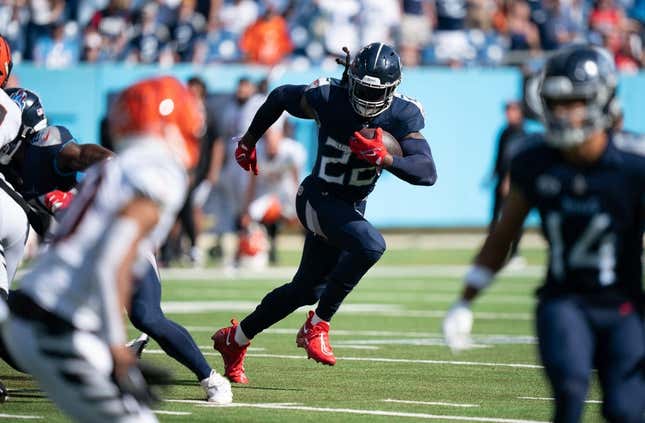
(588, 185)
(340, 245)
(42, 163)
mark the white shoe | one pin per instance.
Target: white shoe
(217, 388)
(138, 345)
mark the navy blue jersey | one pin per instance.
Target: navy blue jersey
(39, 172)
(342, 173)
(592, 217)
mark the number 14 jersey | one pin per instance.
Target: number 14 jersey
(592, 217)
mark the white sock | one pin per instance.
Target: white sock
(240, 337)
(316, 319)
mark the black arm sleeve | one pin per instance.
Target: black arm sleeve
(416, 166)
(284, 97)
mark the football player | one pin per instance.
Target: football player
(588, 184)
(14, 227)
(67, 318)
(340, 245)
(43, 166)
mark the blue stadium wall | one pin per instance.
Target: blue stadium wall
(463, 109)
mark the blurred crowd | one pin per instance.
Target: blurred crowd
(60, 33)
(230, 214)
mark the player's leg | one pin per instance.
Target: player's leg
(342, 225)
(147, 316)
(14, 229)
(74, 369)
(566, 343)
(318, 258)
(621, 361)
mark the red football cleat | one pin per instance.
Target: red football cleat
(233, 354)
(315, 339)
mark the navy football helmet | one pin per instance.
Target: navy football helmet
(578, 73)
(373, 76)
(33, 120)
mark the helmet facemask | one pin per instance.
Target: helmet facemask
(368, 96)
(598, 96)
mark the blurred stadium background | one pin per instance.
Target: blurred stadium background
(463, 60)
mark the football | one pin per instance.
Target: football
(391, 144)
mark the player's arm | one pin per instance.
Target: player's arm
(417, 165)
(76, 157)
(289, 98)
(117, 257)
(285, 98)
(458, 321)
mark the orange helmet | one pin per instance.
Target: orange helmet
(160, 106)
(5, 62)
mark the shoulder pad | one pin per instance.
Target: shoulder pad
(50, 136)
(411, 100)
(630, 142)
(318, 83)
(321, 82)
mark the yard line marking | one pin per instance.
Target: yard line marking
(377, 333)
(447, 404)
(18, 416)
(282, 272)
(385, 360)
(389, 310)
(172, 413)
(364, 412)
(553, 399)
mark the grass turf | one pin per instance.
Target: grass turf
(385, 318)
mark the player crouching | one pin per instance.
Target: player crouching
(67, 319)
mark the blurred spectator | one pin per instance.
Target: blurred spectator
(266, 41)
(388, 15)
(113, 25)
(150, 36)
(480, 14)
(14, 17)
(451, 14)
(202, 179)
(43, 14)
(523, 33)
(507, 144)
(605, 18)
(416, 27)
(555, 24)
(271, 199)
(58, 50)
(237, 15)
(188, 27)
(340, 23)
(231, 183)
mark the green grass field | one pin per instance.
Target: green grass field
(392, 364)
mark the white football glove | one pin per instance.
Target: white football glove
(457, 325)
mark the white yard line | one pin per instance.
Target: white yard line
(389, 310)
(553, 399)
(383, 360)
(18, 416)
(415, 271)
(364, 412)
(365, 333)
(446, 404)
(172, 413)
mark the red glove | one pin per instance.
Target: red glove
(58, 200)
(371, 150)
(246, 157)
